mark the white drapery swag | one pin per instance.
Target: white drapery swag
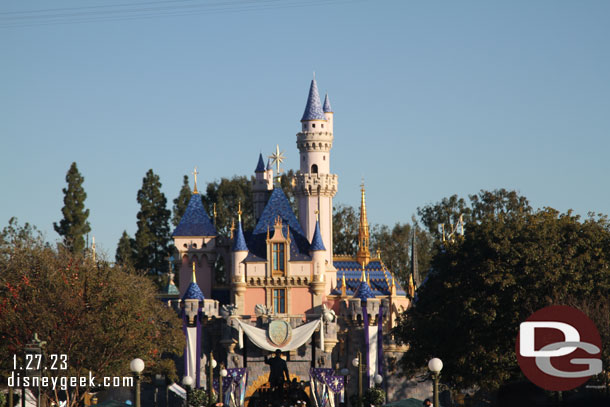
(300, 335)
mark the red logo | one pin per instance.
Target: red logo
(559, 348)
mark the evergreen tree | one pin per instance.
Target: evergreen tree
(74, 226)
(151, 244)
(124, 251)
(182, 201)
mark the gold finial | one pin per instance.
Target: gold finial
(363, 276)
(194, 276)
(343, 287)
(232, 227)
(363, 256)
(239, 210)
(277, 158)
(195, 175)
(214, 212)
(317, 215)
(378, 254)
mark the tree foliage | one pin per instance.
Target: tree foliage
(152, 239)
(510, 262)
(125, 250)
(345, 230)
(101, 316)
(227, 194)
(181, 201)
(74, 225)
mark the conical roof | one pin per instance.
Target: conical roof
(326, 107)
(195, 221)
(316, 241)
(313, 109)
(239, 244)
(260, 167)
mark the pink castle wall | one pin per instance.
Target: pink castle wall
(301, 300)
(253, 296)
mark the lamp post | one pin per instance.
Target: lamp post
(378, 379)
(223, 374)
(211, 366)
(34, 350)
(435, 365)
(187, 382)
(357, 362)
(136, 366)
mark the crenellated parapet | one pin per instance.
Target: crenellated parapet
(205, 308)
(311, 184)
(351, 311)
(309, 141)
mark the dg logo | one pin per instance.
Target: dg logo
(559, 348)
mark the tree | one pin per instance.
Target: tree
(152, 238)
(345, 230)
(101, 316)
(394, 246)
(182, 201)
(510, 262)
(74, 226)
(124, 251)
(227, 194)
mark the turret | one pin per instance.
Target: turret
(318, 256)
(239, 252)
(315, 186)
(261, 187)
(195, 242)
(328, 113)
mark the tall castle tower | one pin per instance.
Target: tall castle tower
(315, 185)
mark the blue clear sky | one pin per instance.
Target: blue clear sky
(430, 99)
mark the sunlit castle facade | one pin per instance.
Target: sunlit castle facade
(280, 286)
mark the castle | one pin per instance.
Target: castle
(284, 287)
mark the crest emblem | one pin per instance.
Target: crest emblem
(279, 333)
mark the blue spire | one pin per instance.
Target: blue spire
(313, 109)
(193, 292)
(363, 291)
(195, 221)
(327, 108)
(316, 240)
(269, 164)
(260, 167)
(239, 244)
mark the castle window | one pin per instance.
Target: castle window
(279, 301)
(279, 259)
(322, 125)
(313, 125)
(314, 169)
(323, 158)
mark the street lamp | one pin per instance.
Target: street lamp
(435, 365)
(358, 362)
(378, 379)
(136, 366)
(223, 374)
(187, 382)
(211, 365)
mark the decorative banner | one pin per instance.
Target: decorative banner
(324, 386)
(233, 387)
(299, 336)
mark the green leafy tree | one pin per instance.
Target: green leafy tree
(511, 262)
(394, 246)
(182, 201)
(100, 315)
(345, 230)
(152, 238)
(124, 251)
(226, 194)
(74, 225)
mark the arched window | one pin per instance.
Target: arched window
(314, 169)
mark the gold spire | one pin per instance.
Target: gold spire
(194, 276)
(343, 287)
(363, 276)
(195, 174)
(239, 212)
(363, 256)
(214, 212)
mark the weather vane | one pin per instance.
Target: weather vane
(277, 158)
